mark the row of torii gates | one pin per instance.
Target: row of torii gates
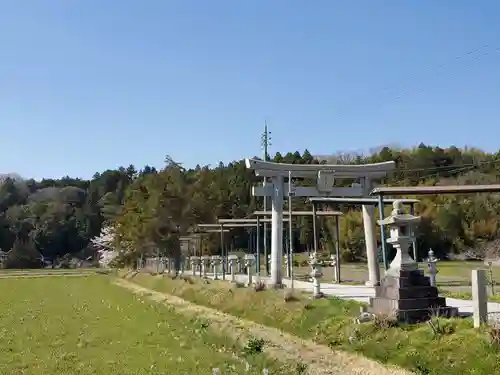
(327, 192)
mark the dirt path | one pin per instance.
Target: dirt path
(282, 346)
(39, 275)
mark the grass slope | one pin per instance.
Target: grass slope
(68, 325)
(451, 347)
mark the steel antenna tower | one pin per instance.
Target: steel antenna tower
(265, 144)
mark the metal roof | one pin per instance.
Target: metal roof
(246, 220)
(372, 201)
(300, 213)
(430, 190)
(203, 231)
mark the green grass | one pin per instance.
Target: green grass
(452, 347)
(465, 295)
(86, 325)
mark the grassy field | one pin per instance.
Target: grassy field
(449, 346)
(86, 325)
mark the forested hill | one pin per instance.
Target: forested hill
(149, 208)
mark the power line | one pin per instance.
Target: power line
(491, 48)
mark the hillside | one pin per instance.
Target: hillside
(55, 217)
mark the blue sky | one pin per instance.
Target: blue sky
(87, 85)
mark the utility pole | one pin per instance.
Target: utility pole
(265, 143)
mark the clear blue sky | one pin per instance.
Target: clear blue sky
(87, 85)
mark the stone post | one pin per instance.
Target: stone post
(216, 261)
(276, 232)
(286, 265)
(162, 265)
(249, 261)
(431, 264)
(205, 261)
(232, 259)
(182, 265)
(371, 245)
(195, 261)
(315, 275)
(169, 265)
(333, 263)
(188, 262)
(479, 298)
(241, 263)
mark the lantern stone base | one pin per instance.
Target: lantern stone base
(410, 297)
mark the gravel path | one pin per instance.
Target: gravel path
(279, 345)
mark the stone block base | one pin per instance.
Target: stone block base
(409, 297)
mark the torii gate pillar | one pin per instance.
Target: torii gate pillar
(277, 231)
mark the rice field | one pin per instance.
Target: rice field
(86, 325)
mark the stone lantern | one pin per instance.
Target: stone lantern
(195, 262)
(216, 261)
(249, 261)
(315, 274)
(405, 291)
(205, 261)
(232, 260)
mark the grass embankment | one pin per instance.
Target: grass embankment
(450, 346)
(85, 325)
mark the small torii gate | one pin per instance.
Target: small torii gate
(371, 256)
(314, 213)
(235, 223)
(325, 175)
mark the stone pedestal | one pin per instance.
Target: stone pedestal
(410, 297)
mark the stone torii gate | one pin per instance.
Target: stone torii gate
(325, 175)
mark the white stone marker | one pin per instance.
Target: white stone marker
(232, 260)
(371, 245)
(431, 265)
(249, 261)
(216, 260)
(479, 298)
(205, 261)
(315, 275)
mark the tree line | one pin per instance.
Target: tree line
(48, 220)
